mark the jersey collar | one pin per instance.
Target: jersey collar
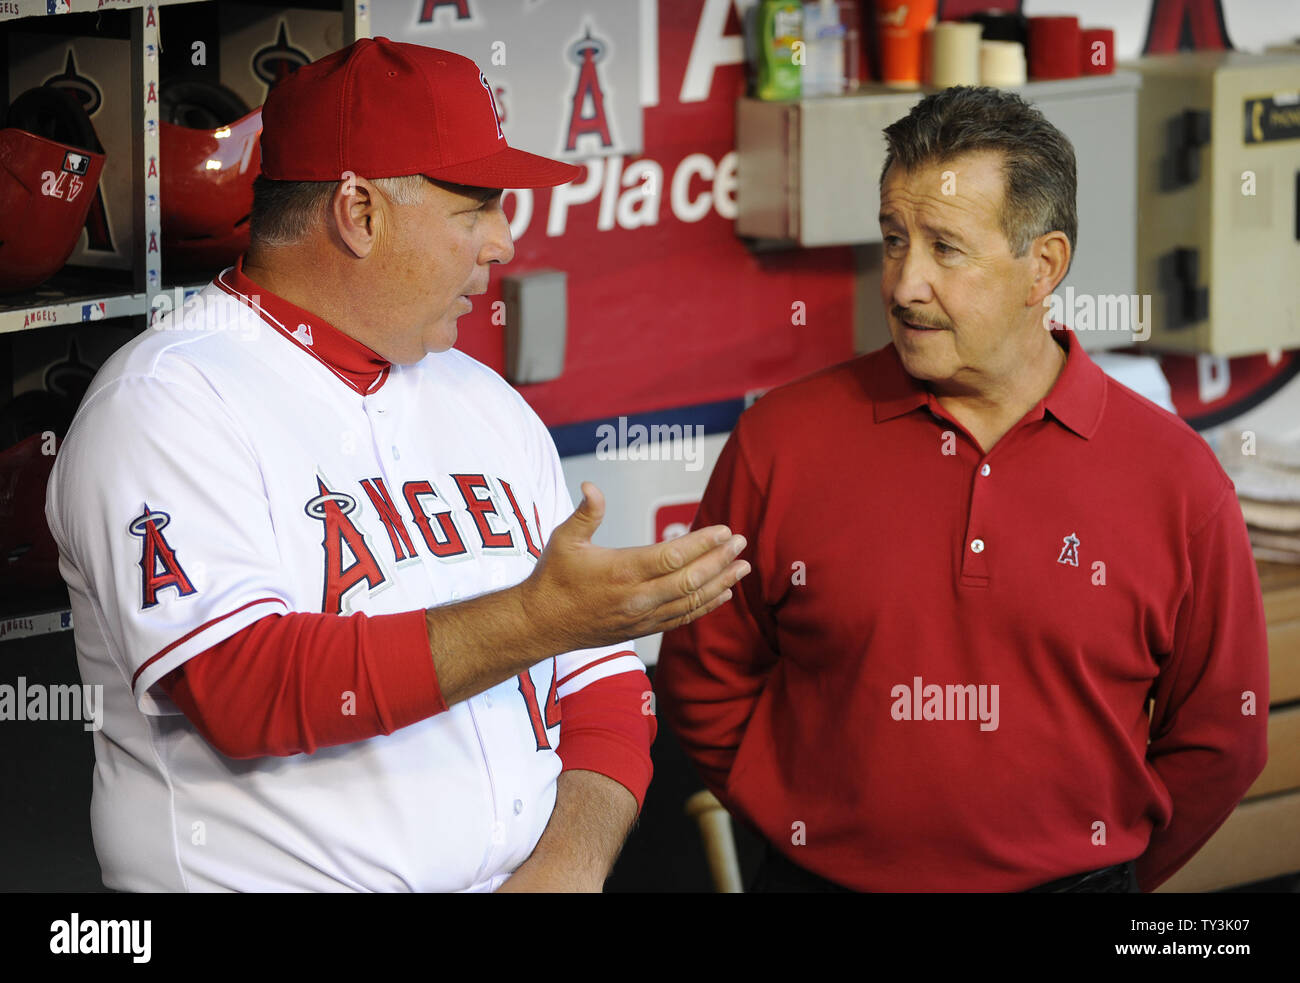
(353, 363)
(1076, 400)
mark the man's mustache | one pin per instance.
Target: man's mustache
(903, 314)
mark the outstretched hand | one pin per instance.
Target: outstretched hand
(589, 595)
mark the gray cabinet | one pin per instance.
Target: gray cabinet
(809, 173)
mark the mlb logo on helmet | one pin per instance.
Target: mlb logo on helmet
(75, 163)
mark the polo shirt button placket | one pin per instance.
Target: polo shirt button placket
(973, 565)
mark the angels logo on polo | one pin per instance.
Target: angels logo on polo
(587, 108)
(1070, 551)
(159, 568)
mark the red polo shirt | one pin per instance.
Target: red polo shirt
(936, 678)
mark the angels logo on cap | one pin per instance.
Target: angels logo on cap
(482, 80)
(382, 108)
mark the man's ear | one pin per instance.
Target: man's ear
(1051, 255)
(356, 212)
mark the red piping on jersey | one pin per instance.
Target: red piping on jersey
(356, 365)
(203, 627)
(589, 665)
(608, 728)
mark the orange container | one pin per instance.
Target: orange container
(902, 35)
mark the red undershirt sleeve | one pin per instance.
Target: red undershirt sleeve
(608, 727)
(289, 684)
(1209, 731)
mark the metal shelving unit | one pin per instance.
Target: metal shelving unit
(78, 295)
(74, 296)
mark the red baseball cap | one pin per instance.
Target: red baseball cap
(382, 108)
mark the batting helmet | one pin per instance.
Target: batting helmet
(50, 162)
(34, 422)
(210, 153)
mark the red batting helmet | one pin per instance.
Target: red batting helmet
(210, 158)
(33, 423)
(50, 162)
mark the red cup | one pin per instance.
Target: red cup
(1054, 47)
(1096, 51)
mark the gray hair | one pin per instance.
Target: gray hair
(285, 212)
(1038, 166)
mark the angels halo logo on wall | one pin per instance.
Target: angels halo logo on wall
(278, 61)
(587, 52)
(81, 86)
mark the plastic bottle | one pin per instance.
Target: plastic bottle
(780, 26)
(824, 35)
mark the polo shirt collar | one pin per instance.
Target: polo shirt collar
(354, 364)
(1076, 400)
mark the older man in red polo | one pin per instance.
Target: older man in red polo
(1003, 630)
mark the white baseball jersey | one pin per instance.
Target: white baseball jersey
(218, 471)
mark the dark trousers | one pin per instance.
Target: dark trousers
(776, 874)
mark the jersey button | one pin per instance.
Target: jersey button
(487, 701)
(985, 470)
(519, 806)
(977, 546)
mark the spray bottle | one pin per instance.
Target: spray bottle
(780, 49)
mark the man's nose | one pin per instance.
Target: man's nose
(500, 246)
(912, 283)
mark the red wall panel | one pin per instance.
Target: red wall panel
(676, 312)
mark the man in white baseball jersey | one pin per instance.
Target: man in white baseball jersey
(324, 565)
